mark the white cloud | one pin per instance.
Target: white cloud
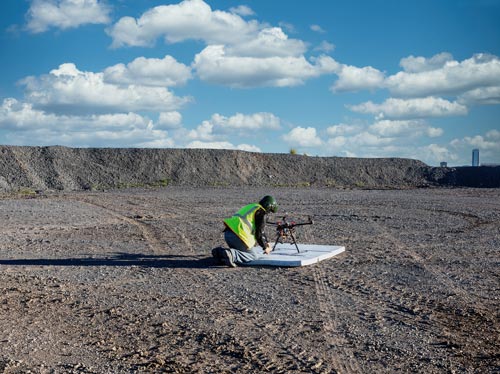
(290, 28)
(325, 46)
(337, 142)
(493, 134)
(203, 132)
(243, 124)
(408, 139)
(433, 154)
(427, 78)
(169, 120)
(369, 144)
(473, 81)
(303, 137)
(15, 115)
(68, 89)
(481, 142)
(481, 96)
(433, 132)
(104, 138)
(238, 53)
(411, 108)
(362, 144)
(385, 138)
(368, 139)
(190, 19)
(269, 42)
(18, 115)
(410, 128)
(250, 122)
(65, 14)
(222, 145)
(24, 125)
(163, 142)
(164, 72)
(242, 10)
(488, 145)
(342, 129)
(119, 121)
(215, 66)
(317, 28)
(352, 78)
(248, 148)
(420, 64)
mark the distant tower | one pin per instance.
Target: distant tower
(475, 157)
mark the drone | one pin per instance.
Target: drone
(285, 230)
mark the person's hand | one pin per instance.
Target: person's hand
(268, 249)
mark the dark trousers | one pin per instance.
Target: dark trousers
(233, 241)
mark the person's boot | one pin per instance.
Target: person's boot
(217, 254)
(227, 258)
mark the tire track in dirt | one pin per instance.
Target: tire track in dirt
(258, 347)
(342, 355)
(260, 355)
(411, 307)
(438, 275)
(474, 221)
(287, 356)
(146, 232)
(384, 303)
(153, 241)
(281, 353)
(188, 247)
(275, 351)
(265, 351)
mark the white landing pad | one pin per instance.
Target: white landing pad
(286, 255)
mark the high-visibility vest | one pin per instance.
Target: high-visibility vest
(243, 223)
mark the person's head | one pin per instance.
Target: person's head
(269, 204)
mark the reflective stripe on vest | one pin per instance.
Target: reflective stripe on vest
(243, 223)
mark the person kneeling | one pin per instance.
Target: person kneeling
(243, 230)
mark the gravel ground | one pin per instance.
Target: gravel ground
(122, 281)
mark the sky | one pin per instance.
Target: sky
(375, 78)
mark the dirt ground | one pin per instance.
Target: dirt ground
(123, 281)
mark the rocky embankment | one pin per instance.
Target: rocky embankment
(62, 168)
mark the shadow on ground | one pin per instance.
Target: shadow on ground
(120, 259)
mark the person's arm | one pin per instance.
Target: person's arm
(260, 235)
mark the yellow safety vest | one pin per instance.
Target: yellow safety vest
(243, 223)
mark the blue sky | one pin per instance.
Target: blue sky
(378, 78)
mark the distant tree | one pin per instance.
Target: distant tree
(293, 151)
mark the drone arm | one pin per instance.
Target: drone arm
(309, 222)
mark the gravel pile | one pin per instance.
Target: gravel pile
(62, 168)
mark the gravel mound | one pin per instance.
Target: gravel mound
(62, 168)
